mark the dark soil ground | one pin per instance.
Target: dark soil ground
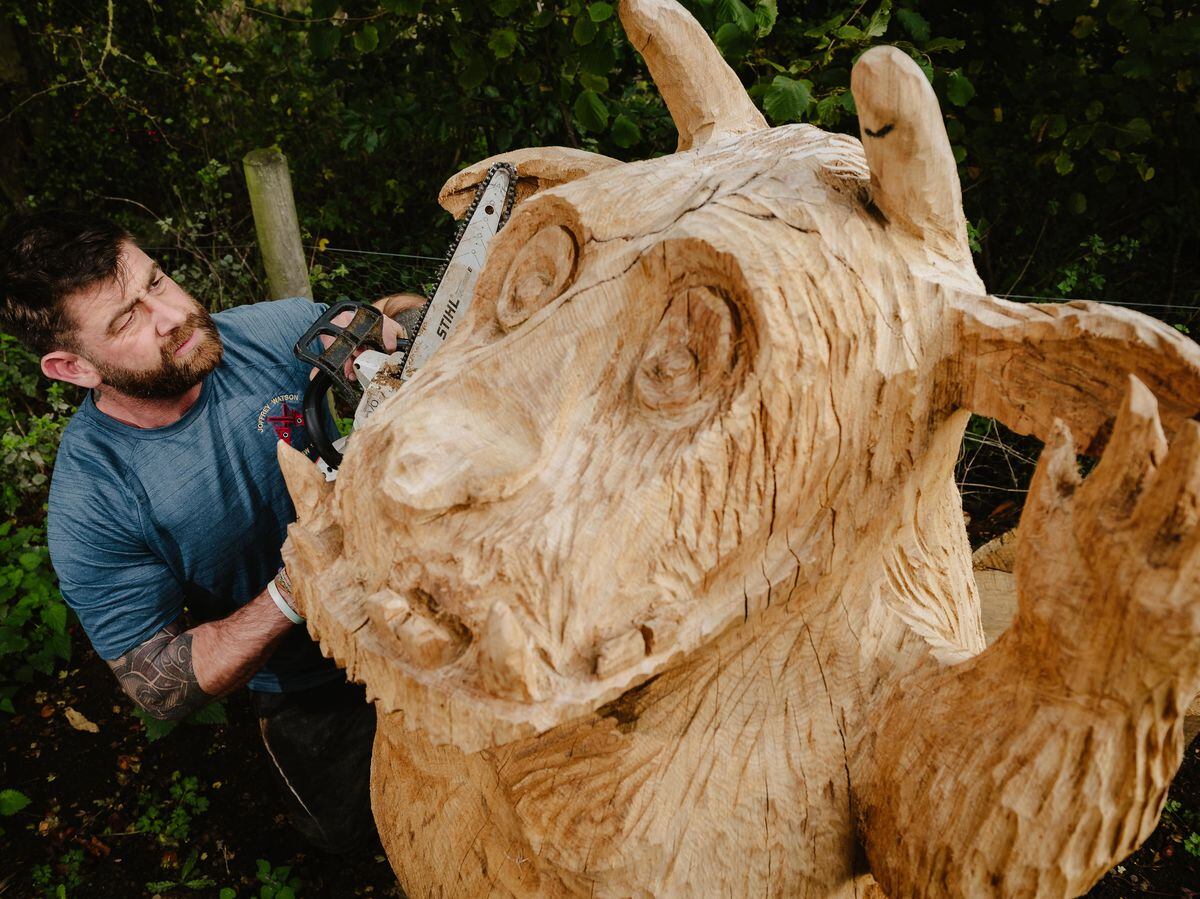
(113, 814)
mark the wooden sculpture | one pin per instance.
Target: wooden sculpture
(658, 574)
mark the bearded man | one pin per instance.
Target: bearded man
(166, 496)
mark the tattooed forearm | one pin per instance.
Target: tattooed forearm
(159, 676)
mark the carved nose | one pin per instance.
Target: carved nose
(463, 447)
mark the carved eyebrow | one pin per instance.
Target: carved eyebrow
(155, 272)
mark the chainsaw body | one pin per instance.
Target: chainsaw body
(378, 373)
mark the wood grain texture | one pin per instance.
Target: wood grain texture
(658, 574)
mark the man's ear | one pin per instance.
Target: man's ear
(60, 365)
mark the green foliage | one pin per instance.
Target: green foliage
(277, 883)
(157, 728)
(59, 880)
(11, 802)
(170, 817)
(186, 880)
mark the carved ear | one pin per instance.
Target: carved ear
(537, 169)
(1027, 365)
(914, 179)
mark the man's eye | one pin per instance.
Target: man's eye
(157, 283)
(128, 319)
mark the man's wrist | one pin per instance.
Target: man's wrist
(280, 591)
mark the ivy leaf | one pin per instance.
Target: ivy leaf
(787, 99)
(529, 72)
(914, 23)
(625, 132)
(503, 42)
(959, 89)
(766, 13)
(849, 33)
(1063, 164)
(600, 12)
(366, 40)
(12, 801)
(584, 31)
(504, 8)
(590, 111)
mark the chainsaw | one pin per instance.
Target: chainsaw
(378, 374)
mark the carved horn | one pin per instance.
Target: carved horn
(914, 179)
(705, 98)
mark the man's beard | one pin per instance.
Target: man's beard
(175, 376)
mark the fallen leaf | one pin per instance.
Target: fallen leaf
(79, 722)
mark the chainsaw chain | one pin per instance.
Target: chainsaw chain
(510, 197)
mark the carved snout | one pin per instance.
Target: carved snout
(470, 447)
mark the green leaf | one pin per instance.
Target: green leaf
(590, 111)
(1135, 131)
(849, 33)
(1084, 26)
(367, 39)
(54, 616)
(12, 801)
(944, 43)
(323, 40)
(584, 31)
(914, 23)
(731, 40)
(600, 12)
(503, 42)
(403, 7)
(473, 73)
(213, 713)
(959, 89)
(597, 83)
(529, 72)
(1063, 164)
(597, 58)
(29, 561)
(227, 893)
(625, 132)
(737, 13)
(959, 151)
(1077, 203)
(766, 14)
(787, 99)
(880, 19)
(504, 8)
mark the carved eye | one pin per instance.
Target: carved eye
(690, 361)
(541, 270)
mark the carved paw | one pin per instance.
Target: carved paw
(1111, 564)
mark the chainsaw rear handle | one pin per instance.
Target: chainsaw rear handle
(314, 419)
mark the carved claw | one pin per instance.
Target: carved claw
(1032, 768)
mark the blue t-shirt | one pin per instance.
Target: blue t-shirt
(143, 522)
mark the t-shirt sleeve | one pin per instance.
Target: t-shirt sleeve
(280, 323)
(121, 591)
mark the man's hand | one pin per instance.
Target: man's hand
(392, 331)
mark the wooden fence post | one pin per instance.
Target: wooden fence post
(275, 221)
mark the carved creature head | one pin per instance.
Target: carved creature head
(687, 388)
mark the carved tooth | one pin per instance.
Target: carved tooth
(305, 482)
(620, 652)
(507, 666)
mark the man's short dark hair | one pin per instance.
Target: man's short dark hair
(44, 258)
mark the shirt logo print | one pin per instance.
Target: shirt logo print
(285, 422)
